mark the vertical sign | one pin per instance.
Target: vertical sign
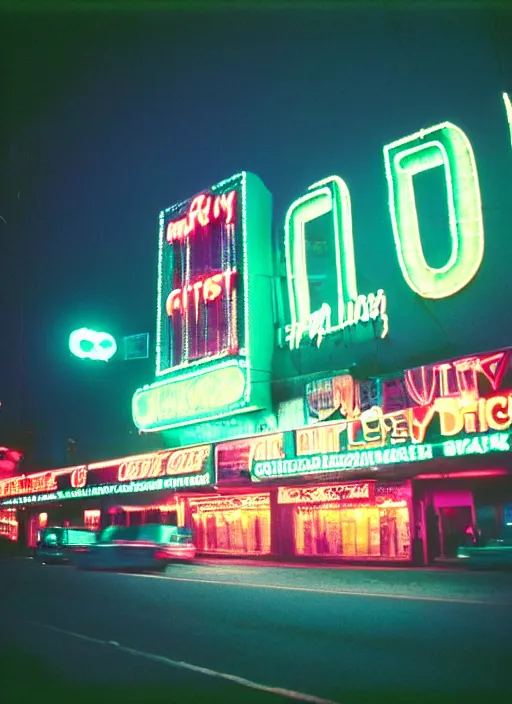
(213, 353)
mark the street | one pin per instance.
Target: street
(242, 633)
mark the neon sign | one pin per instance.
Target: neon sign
(459, 377)
(210, 234)
(89, 344)
(330, 195)
(194, 396)
(231, 503)
(187, 461)
(361, 492)
(444, 145)
(373, 458)
(208, 348)
(203, 210)
(234, 458)
(203, 290)
(508, 111)
(78, 477)
(185, 482)
(28, 484)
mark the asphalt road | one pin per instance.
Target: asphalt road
(236, 633)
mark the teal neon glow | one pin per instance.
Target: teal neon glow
(444, 145)
(373, 459)
(210, 393)
(330, 195)
(89, 344)
(508, 111)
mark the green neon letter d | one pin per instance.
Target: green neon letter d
(444, 145)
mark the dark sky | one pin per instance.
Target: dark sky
(108, 118)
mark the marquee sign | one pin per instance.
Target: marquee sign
(118, 489)
(214, 266)
(459, 410)
(373, 459)
(233, 459)
(354, 493)
(179, 469)
(32, 483)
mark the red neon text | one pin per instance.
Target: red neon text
(455, 378)
(79, 477)
(202, 211)
(203, 290)
(188, 461)
(29, 485)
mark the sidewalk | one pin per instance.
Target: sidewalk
(209, 560)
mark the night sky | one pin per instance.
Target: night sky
(108, 118)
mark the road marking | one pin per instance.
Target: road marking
(316, 590)
(242, 681)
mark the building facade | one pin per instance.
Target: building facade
(321, 395)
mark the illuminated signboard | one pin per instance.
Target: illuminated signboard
(360, 492)
(231, 503)
(459, 410)
(174, 482)
(345, 397)
(89, 344)
(213, 357)
(32, 483)
(233, 459)
(321, 301)
(375, 458)
(190, 460)
(180, 468)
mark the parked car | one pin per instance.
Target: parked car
(56, 544)
(147, 547)
(496, 553)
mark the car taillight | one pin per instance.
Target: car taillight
(80, 549)
(161, 555)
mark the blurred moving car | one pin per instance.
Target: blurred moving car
(146, 547)
(497, 553)
(56, 544)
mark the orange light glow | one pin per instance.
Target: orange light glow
(92, 519)
(356, 492)
(230, 503)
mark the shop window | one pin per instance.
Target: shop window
(8, 524)
(92, 519)
(238, 531)
(326, 530)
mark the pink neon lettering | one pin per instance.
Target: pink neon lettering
(204, 290)
(202, 211)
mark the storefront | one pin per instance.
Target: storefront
(233, 524)
(355, 521)
(406, 476)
